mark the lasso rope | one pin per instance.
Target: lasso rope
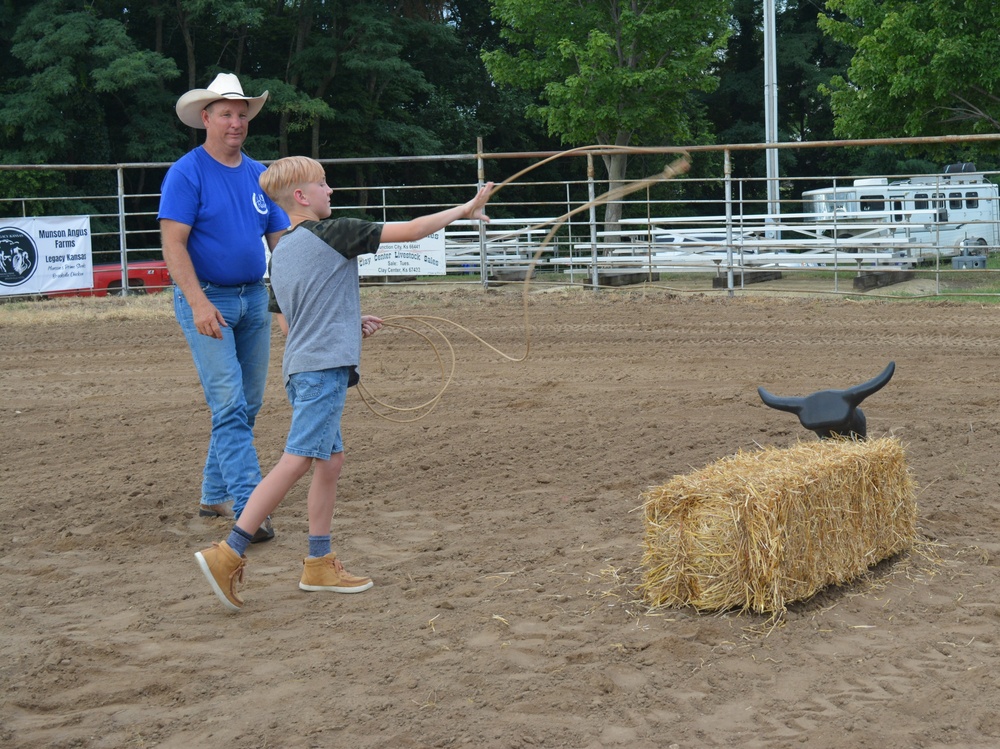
(677, 167)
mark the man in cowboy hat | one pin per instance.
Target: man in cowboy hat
(213, 216)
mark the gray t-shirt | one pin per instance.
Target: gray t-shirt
(314, 283)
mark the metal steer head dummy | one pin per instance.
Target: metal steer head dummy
(832, 412)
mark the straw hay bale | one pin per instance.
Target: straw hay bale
(759, 530)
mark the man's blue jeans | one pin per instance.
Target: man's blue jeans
(233, 373)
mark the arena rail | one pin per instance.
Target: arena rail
(673, 228)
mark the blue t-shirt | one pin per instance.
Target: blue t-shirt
(228, 214)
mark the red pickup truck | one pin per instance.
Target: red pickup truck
(145, 276)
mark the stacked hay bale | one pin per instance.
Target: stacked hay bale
(759, 530)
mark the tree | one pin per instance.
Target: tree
(466, 105)
(96, 81)
(613, 72)
(806, 58)
(919, 68)
(80, 89)
(352, 80)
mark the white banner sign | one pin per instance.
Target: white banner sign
(45, 254)
(424, 257)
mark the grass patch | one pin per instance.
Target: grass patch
(976, 286)
(72, 310)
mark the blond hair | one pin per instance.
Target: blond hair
(281, 179)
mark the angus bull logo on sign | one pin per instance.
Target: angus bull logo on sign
(18, 257)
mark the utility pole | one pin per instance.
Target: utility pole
(771, 114)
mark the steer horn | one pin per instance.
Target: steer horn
(832, 412)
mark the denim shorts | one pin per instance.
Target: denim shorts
(317, 400)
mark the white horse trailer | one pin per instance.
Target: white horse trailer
(957, 212)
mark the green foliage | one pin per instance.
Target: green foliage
(919, 68)
(805, 59)
(96, 81)
(74, 80)
(610, 73)
(17, 185)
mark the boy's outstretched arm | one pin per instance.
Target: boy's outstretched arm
(418, 228)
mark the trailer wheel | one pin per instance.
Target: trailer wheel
(975, 246)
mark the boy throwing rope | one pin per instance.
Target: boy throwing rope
(315, 293)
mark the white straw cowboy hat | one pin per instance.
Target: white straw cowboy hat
(225, 86)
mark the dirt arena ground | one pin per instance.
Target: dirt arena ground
(502, 533)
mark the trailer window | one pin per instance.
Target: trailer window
(955, 201)
(938, 200)
(872, 202)
(972, 200)
(843, 202)
(832, 202)
(920, 201)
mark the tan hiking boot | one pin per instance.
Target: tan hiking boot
(223, 569)
(327, 573)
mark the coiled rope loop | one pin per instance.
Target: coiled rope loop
(677, 167)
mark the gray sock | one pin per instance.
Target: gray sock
(239, 540)
(319, 546)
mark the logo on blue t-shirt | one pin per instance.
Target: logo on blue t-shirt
(260, 203)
